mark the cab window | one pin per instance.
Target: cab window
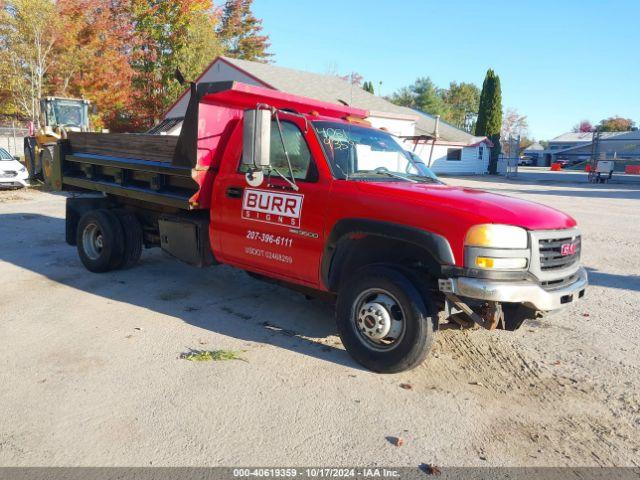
(299, 155)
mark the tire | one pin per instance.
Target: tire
(46, 164)
(29, 162)
(379, 285)
(105, 254)
(132, 231)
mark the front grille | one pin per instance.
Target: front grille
(552, 256)
(9, 174)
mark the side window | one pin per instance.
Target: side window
(297, 150)
(454, 154)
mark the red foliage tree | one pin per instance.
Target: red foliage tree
(92, 57)
(583, 127)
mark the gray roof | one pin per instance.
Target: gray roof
(330, 88)
(534, 147)
(582, 137)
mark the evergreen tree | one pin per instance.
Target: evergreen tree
(240, 31)
(489, 121)
(423, 95)
(368, 87)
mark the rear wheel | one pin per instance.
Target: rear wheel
(383, 321)
(100, 241)
(132, 231)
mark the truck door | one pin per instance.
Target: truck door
(273, 229)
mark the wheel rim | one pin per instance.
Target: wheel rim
(378, 319)
(92, 241)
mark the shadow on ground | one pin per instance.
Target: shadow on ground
(220, 299)
(610, 280)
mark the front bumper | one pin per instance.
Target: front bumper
(524, 292)
(17, 181)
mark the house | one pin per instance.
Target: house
(451, 151)
(534, 152)
(576, 147)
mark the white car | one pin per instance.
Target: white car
(12, 172)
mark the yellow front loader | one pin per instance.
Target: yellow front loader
(57, 117)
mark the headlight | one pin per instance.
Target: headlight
(497, 236)
(23, 169)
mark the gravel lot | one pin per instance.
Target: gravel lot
(91, 372)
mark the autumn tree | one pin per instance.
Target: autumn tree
(514, 124)
(174, 34)
(27, 37)
(515, 127)
(617, 124)
(463, 101)
(489, 121)
(584, 126)
(92, 59)
(241, 32)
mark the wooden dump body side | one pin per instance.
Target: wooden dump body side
(137, 166)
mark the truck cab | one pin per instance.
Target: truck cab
(309, 195)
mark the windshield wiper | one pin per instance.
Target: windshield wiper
(386, 171)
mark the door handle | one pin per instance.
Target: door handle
(234, 192)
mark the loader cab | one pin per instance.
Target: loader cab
(70, 114)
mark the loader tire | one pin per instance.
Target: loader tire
(29, 162)
(47, 164)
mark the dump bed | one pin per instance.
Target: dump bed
(136, 166)
(175, 171)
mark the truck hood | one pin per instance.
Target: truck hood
(486, 207)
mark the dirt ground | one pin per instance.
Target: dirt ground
(91, 374)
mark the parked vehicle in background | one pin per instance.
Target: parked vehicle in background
(58, 116)
(308, 195)
(526, 161)
(12, 172)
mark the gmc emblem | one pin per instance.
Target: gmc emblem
(568, 249)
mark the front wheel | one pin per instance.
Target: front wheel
(383, 321)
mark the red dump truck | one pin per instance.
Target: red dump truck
(307, 194)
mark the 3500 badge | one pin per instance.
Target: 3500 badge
(272, 207)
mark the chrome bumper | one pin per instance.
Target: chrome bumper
(527, 293)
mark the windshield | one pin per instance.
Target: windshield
(4, 155)
(368, 154)
(66, 112)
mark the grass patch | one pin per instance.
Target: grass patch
(211, 356)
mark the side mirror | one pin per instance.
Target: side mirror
(256, 140)
(15, 157)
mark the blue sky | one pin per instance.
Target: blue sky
(559, 61)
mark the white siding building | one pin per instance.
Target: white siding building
(400, 121)
(454, 158)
